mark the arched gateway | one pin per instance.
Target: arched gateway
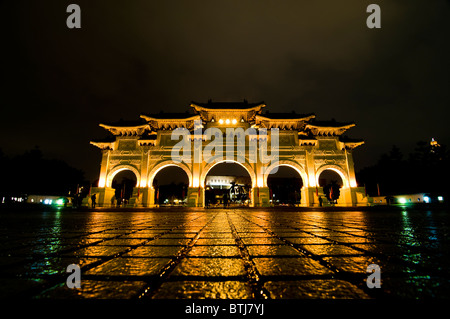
(259, 142)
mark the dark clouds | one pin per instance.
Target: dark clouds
(145, 56)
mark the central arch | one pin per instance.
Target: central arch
(245, 165)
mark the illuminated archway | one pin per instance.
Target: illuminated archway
(113, 172)
(123, 183)
(162, 165)
(227, 183)
(290, 164)
(209, 166)
(170, 186)
(285, 186)
(338, 170)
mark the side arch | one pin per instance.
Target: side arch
(297, 167)
(119, 168)
(245, 165)
(164, 164)
(342, 173)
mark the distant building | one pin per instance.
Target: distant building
(49, 200)
(406, 199)
(227, 181)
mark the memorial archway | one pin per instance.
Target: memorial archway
(148, 146)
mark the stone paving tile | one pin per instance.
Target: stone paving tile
(204, 290)
(314, 289)
(330, 249)
(48, 266)
(169, 241)
(210, 267)
(195, 253)
(261, 241)
(121, 242)
(308, 240)
(353, 264)
(130, 266)
(272, 250)
(216, 241)
(289, 266)
(97, 251)
(214, 251)
(154, 251)
(93, 289)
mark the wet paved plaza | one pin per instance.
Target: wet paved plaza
(226, 254)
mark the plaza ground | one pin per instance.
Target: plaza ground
(225, 254)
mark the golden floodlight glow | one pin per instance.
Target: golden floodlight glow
(220, 121)
(102, 182)
(227, 121)
(234, 121)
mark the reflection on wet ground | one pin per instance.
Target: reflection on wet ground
(196, 253)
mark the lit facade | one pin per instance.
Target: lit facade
(304, 144)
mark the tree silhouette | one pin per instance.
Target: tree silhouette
(32, 173)
(422, 171)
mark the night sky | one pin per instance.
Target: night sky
(133, 57)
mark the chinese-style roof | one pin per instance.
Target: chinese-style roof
(106, 143)
(126, 129)
(350, 143)
(327, 128)
(166, 121)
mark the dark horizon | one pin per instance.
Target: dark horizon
(144, 57)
